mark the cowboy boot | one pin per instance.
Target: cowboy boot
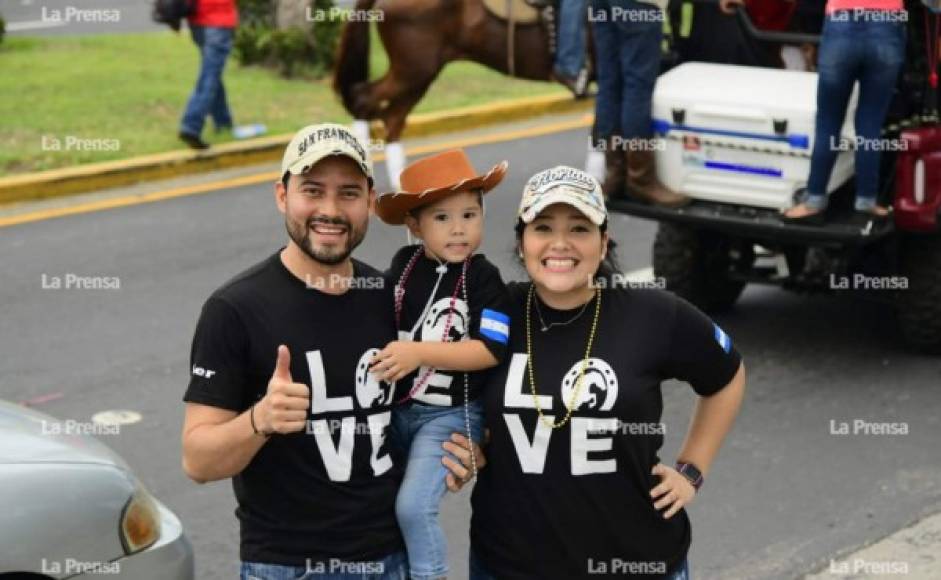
(642, 182)
(615, 171)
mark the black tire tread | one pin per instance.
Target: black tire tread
(681, 257)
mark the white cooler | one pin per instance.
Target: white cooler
(740, 135)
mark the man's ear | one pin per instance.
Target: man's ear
(412, 224)
(372, 200)
(280, 195)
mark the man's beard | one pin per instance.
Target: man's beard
(300, 234)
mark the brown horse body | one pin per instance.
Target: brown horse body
(421, 37)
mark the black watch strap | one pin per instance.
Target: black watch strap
(690, 472)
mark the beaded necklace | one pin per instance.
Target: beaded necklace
(570, 407)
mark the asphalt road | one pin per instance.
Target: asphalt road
(785, 495)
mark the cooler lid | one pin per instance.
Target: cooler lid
(778, 90)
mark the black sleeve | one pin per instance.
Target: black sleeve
(489, 307)
(700, 352)
(219, 358)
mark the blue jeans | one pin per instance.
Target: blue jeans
(627, 54)
(851, 50)
(479, 572)
(420, 430)
(392, 567)
(570, 48)
(208, 97)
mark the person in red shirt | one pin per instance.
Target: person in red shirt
(212, 26)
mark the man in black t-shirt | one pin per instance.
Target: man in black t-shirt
(281, 399)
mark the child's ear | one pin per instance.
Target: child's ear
(412, 224)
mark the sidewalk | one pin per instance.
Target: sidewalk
(913, 553)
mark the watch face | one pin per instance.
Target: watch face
(690, 471)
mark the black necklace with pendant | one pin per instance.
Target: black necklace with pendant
(546, 326)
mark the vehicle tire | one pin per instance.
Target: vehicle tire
(918, 309)
(696, 266)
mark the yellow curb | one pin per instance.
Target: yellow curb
(95, 176)
(492, 113)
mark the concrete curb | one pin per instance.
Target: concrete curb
(94, 176)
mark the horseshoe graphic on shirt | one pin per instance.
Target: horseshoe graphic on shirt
(599, 386)
(432, 327)
(370, 392)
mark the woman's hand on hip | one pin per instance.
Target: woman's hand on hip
(673, 492)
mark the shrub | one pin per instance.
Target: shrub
(306, 49)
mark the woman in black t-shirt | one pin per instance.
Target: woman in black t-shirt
(574, 487)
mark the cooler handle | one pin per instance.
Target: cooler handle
(738, 114)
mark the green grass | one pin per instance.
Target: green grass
(132, 88)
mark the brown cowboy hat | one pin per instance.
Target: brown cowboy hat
(432, 178)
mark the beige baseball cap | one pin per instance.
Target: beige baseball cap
(314, 142)
(563, 184)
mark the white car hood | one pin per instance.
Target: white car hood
(28, 436)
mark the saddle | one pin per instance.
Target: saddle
(524, 12)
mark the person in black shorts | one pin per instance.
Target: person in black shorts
(575, 487)
(281, 399)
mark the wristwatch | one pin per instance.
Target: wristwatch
(690, 472)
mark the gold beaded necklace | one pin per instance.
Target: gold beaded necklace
(570, 407)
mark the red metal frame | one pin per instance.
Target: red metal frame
(923, 144)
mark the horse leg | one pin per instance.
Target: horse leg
(393, 101)
(394, 117)
(387, 99)
(360, 130)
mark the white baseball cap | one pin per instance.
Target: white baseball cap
(563, 184)
(314, 142)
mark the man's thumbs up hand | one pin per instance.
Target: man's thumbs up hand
(282, 367)
(284, 407)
